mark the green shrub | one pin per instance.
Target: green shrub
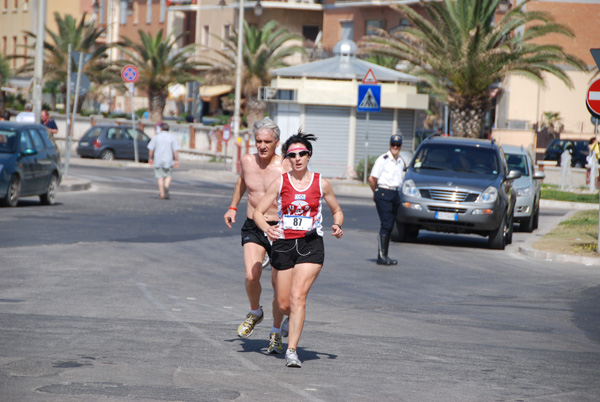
(360, 167)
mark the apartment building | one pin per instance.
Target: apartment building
(20, 16)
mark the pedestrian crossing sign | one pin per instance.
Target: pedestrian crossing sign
(369, 98)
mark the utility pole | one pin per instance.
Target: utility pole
(237, 120)
(38, 75)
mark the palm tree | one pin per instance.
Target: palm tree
(82, 36)
(159, 62)
(264, 50)
(461, 51)
(5, 74)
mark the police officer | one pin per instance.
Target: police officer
(385, 181)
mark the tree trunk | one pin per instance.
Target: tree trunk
(157, 100)
(468, 117)
(256, 112)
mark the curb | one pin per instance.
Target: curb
(74, 184)
(545, 255)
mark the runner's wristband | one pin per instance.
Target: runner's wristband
(235, 209)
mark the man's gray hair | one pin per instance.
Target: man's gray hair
(28, 107)
(267, 124)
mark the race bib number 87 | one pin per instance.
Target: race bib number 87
(297, 222)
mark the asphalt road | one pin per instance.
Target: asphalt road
(116, 295)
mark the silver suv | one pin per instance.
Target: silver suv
(458, 185)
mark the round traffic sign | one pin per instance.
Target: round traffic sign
(592, 98)
(226, 132)
(129, 73)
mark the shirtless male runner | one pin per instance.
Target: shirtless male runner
(259, 170)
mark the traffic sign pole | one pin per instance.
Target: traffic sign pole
(369, 100)
(130, 74)
(366, 150)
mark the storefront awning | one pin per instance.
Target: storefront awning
(208, 91)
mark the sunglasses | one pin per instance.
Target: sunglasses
(292, 155)
(396, 144)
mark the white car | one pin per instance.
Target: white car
(527, 187)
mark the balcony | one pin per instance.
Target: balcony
(191, 5)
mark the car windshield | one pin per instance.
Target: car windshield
(517, 162)
(459, 158)
(8, 141)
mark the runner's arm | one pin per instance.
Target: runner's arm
(238, 193)
(336, 210)
(272, 232)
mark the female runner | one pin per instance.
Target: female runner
(297, 252)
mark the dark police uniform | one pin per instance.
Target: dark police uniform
(389, 173)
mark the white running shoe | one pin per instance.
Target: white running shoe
(291, 358)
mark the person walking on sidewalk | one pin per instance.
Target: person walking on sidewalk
(258, 170)
(385, 181)
(298, 252)
(164, 157)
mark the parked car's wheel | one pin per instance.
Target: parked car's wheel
(526, 225)
(497, 239)
(107, 155)
(398, 232)
(50, 197)
(536, 216)
(510, 229)
(12, 195)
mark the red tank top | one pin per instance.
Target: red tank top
(299, 211)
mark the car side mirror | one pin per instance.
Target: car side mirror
(513, 175)
(539, 175)
(29, 152)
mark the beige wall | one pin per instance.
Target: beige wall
(528, 101)
(14, 21)
(345, 93)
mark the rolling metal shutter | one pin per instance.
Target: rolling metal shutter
(380, 131)
(331, 125)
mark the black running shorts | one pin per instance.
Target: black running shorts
(252, 234)
(289, 252)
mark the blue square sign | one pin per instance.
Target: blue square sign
(369, 98)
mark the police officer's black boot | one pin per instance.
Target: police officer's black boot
(382, 255)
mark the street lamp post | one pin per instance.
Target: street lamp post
(238, 86)
(39, 61)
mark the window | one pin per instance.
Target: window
(5, 6)
(25, 141)
(25, 46)
(16, 6)
(347, 30)
(206, 35)
(38, 143)
(149, 12)
(136, 12)
(371, 25)
(310, 32)
(4, 41)
(25, 5)
(226, 34)
(14, 51)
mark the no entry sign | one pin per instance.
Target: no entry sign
(593, 98)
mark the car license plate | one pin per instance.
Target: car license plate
(445, 216)
(84, 143)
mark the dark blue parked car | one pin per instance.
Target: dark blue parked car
(110, 142)
(29, 163)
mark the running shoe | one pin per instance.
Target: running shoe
(275, 343)
(291, 358)
(285, 327)
(246, 328)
